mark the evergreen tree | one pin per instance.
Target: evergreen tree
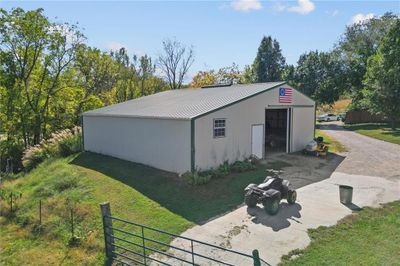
(269, 62)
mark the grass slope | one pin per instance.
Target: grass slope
(338, 107)
(380, 131)
(142, 194)
(370, 237)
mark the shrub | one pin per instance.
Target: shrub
(199, 178)
(196, 178)
(70, 145)
(242, 166)
(23, 220)
(239, 167)
(34, 155)
(13, 150)
(61, 143)
(8, 176)
(224, 168)
(214, 173)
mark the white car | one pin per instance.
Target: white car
(328, 117)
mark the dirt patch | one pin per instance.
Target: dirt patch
(236, 230)
(300, 169)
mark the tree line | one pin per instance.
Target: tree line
(49, 76)
(363, 65)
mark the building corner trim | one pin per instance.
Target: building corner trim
(192, 144)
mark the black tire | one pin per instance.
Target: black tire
(292, 196)
(271, 205)
(250, 199)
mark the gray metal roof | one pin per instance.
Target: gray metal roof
(184, 103)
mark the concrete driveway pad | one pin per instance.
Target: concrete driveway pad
(245, 229)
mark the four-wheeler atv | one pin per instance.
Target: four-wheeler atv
(270, 194)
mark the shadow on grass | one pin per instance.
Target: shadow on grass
(195, 203)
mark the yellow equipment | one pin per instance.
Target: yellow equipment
(316, 147)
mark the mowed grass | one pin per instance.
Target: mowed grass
(138, 193)
(369, 237)
(380, 131)
(334, 145)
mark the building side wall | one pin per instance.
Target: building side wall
(211, 152)
(160, 143)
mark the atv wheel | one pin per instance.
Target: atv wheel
(292, 196)
(250, 200)
(271, 205)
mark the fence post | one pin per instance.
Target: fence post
(256, 258)
(191, 245)
(108, 231)
(72, 223)
(40, 212)
(11, 202)
(144, 247)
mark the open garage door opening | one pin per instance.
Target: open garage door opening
(276, 130)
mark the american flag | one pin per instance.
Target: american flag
(285, 95)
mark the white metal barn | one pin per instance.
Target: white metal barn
(187, 129)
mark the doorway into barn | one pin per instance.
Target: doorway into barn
(276, 123)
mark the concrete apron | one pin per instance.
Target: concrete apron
(318, 205)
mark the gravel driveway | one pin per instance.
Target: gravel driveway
(367, 156)
(371, 166)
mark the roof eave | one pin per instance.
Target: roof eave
(88, 114)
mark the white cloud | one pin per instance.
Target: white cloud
(358, 18)
(115, 46)
(303, 7)
(246, 5)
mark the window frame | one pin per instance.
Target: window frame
(219, 127)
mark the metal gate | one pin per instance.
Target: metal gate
(129, 243)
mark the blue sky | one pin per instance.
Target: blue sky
(221, 32)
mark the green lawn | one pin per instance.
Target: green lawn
(136, 192)
(369, 237)
(334, 145)
(378, 131)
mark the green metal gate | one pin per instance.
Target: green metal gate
(129, 243)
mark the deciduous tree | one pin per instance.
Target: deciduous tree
(174, 62)
(382, 80)
(39, 53)
(358, 43)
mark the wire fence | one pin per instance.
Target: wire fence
(9, 207)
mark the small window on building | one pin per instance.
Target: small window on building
(219, 128)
